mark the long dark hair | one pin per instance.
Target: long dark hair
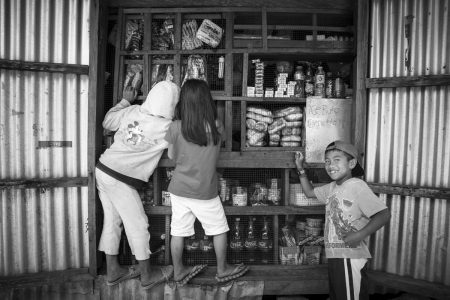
(197, 112)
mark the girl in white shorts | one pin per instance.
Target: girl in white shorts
(194, 144)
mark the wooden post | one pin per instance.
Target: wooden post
(361, 63)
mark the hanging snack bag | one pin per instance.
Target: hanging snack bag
(196, 68)
(189, 40)
(209, 33)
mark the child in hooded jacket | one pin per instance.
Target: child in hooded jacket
(124, 168)
(195, 139)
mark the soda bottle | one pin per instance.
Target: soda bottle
(250, 243)
(265, 244)
(309, 83)
(191, 245)
(339, 87)
(236, 243)
(299, 89)
(207, 249)
(319, 86)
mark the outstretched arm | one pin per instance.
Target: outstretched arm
(376, 222)
(307, 187)
(114, 115)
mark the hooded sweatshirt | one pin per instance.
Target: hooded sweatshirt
(139, 140)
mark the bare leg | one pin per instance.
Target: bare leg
(148, 274)
(176, 247)
(113, 269)
(220, 247)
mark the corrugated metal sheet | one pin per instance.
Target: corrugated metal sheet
(408, 137)
(45, 31)
(429, 39)
(43, 230)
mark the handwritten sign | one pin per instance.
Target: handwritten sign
(326, 120)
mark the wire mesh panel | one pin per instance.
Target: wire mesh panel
(251, 187)
(237, 74)
(133, 35)
(157, 243)
(203, 31)
(204, 66)
(162, 32)
(273, 125)
(161, 68)
(247, 30)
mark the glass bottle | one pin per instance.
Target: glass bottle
(207, 249)
(236, 243)
(191, 245)
(250, 243)
(299, 76)
(339, 87)
(309, 83)
(319, 85)
(329, 86)
(265, 244)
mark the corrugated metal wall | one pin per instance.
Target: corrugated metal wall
(43, 230)
(408, 136)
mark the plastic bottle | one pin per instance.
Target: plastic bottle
(339, 86)
(299, 76)
(221, 67)
(309, 83)
(207, 249)
(319, 85)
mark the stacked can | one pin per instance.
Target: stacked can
(259, 78)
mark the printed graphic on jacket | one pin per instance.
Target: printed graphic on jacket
(135, 135)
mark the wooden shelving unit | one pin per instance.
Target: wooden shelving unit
(231, 95)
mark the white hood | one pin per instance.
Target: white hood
(161, 99)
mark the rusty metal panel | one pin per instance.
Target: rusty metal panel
(43, 230)
(409, 37)
(408, 136)
(43, 125)
(416, 241)
(45, 31)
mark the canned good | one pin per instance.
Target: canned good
(239, 195)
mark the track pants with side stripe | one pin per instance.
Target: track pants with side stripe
(348, 279)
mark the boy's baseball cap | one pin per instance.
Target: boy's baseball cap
(351, 150)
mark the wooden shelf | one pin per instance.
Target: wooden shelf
(254, 159)
(294, 100)
(252, 210)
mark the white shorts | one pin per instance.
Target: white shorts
(210, 213)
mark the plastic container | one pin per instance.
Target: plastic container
(239, 195)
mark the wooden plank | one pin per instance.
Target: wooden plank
(44, 183)
(97, 60)
(253, 210)
(45, 278)
(229, 125)
(296, 27)
(178, 31)
(410, 285)
(359, 114)
(251, 46)
(249, 159)
(293, 100)
(117, 57)
(404, 190)
(243, 126)
(337, 6)
(275, 232)
(44, 67)
(244, 74)
(408, 81)
(264, 28)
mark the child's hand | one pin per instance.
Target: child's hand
(129, 94)
(353, 239)
(299, 159)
